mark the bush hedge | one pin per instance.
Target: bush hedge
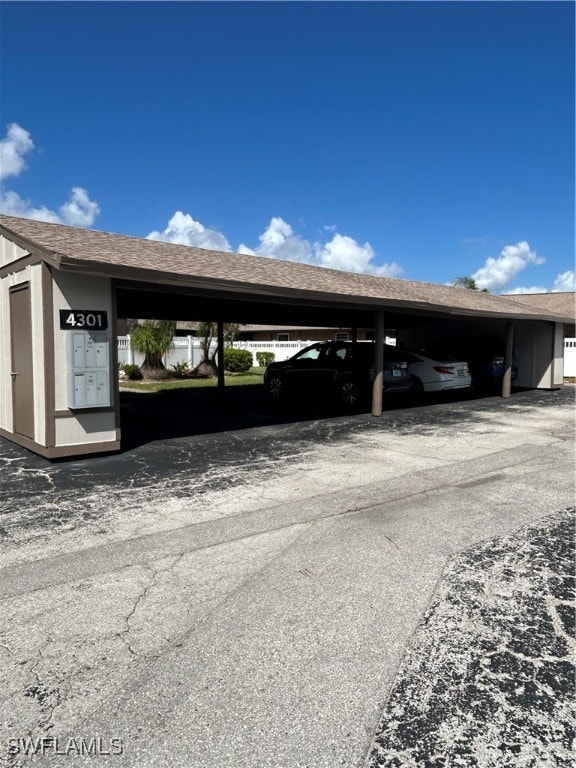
(131, 372)
(237, 360)
(180, 370)
(264, 358)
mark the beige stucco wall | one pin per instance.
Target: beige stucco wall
(73, 291)
(32, 275)
(538, 355)
(5, 358)
(558, 376)
(5, 363)
(10, 252)
(97, 427)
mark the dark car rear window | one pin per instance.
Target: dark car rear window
(393, 353)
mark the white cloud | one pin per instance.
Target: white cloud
(341, 252)
(78, 211)
(531, 289)
(183, 229)
(497, 273)
(279, 241)
(565, 281)
(12, 150)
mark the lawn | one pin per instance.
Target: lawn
(254, 376)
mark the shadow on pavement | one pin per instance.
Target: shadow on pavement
(147, 417)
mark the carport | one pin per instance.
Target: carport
(62, 289)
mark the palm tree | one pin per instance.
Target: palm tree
(468, 282)
(153, 338)
(207, 331)
(206, 368)
(465, 282)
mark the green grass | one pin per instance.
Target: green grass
(255, 376)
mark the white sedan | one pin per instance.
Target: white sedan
(429, 375)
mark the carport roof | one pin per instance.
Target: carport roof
(158, 263)
(561, 303)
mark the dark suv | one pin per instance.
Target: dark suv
(341, 368)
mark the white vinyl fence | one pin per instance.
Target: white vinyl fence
(569, 357)
(186, 349)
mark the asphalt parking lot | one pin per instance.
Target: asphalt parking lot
(255, 589)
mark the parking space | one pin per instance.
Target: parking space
(147, 417)
(244, 597)
(201, 443)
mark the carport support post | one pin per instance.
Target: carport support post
(378, 366)
(220, 326)
(507, 378)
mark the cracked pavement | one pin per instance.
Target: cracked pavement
(489, 677)
(338, 591)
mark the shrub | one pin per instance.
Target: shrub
(237, 360)
(204, 370)
(132, 372)
(180, 370)
(264, 358)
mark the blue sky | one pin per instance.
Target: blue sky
(420, 140)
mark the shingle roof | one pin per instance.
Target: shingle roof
(149, 260)
(562, 303)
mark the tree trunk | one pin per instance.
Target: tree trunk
(205, 370)
(153, 368)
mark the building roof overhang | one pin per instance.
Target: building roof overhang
(242, 281)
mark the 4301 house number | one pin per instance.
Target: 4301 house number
(83, 319)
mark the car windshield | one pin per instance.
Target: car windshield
(336, 352)
(393, 353)
(310, 353)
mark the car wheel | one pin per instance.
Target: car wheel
(417, 386)
(276, 387)
(349, 393)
